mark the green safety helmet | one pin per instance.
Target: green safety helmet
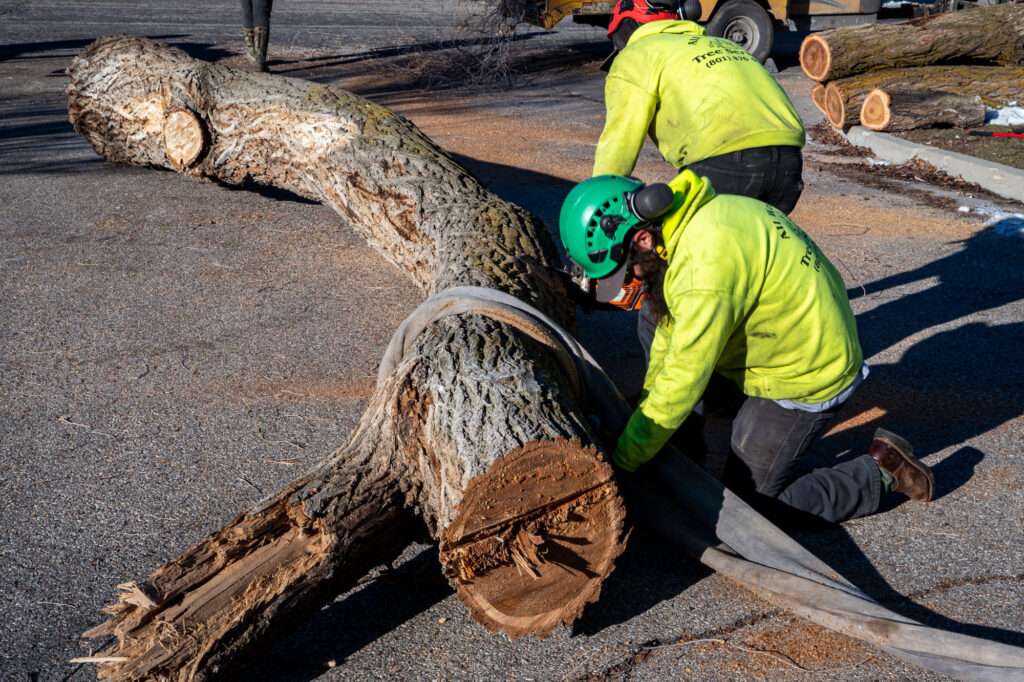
(599, 217)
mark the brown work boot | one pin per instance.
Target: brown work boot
(894, 454)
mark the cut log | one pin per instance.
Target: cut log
(843, 99)
(184, 138)
(818, 97)
(984, 35)
(995, 85)
(896, 110)
(477, 436)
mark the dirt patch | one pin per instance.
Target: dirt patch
(922, 171)
(1003, 477)
(868, 416)
(825, 134)
(1005, 150)
(895, 178)
(858, 216)
(768, 649)
(301, 391)
(797, 643)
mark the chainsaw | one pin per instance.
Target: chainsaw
(582, 290)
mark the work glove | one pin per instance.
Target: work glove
(620, 462)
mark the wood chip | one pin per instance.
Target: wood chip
(99, 659)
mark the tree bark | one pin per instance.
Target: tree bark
(477, 435)
(984, 35)
(895, 110)
(995, 85)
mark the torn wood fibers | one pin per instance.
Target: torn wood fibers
(477, 436)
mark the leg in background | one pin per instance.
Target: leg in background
(261, 31)
(247, 30)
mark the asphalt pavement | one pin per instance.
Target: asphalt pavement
(171, 350)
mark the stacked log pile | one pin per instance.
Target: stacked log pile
(942, 70)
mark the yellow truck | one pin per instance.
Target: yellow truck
(751, 23)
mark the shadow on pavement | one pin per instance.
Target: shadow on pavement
(539, 193)
(985, 274)
(645, 575)
(41, 141)
(208, 52)
(439, 71)
(842, 553)
(45, 49)
(329, 61)
(346, 626)
(275, 193)
(44, 128)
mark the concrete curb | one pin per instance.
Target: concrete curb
(995, 177)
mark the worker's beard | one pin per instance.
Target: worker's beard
(651, 267)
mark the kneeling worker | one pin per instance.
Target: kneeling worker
(746, 301)
(707, 105)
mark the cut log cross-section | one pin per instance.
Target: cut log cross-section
(984, 35)
(995, 85)
(818, 97)
(184, 138)
(477, 435)
(896, 110)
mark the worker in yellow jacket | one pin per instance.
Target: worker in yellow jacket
(705, 102)
(750, 313)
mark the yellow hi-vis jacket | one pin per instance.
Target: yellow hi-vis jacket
(696, 95)
(751, 297)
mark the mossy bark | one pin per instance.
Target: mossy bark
(477, 417)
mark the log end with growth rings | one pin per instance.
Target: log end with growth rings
(184, 137)
(815, 57)
(875, 113)
(835, 106)
(818, 97)
(534, 540)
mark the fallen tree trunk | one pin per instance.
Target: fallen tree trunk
(995, 85)
(478, 435)
(991, 35)
(896, 110)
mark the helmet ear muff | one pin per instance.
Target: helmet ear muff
(651, 202)
(690, 10)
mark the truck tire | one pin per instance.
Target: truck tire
(745, 23)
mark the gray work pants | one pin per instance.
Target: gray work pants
(256, 13)
(767, 444)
